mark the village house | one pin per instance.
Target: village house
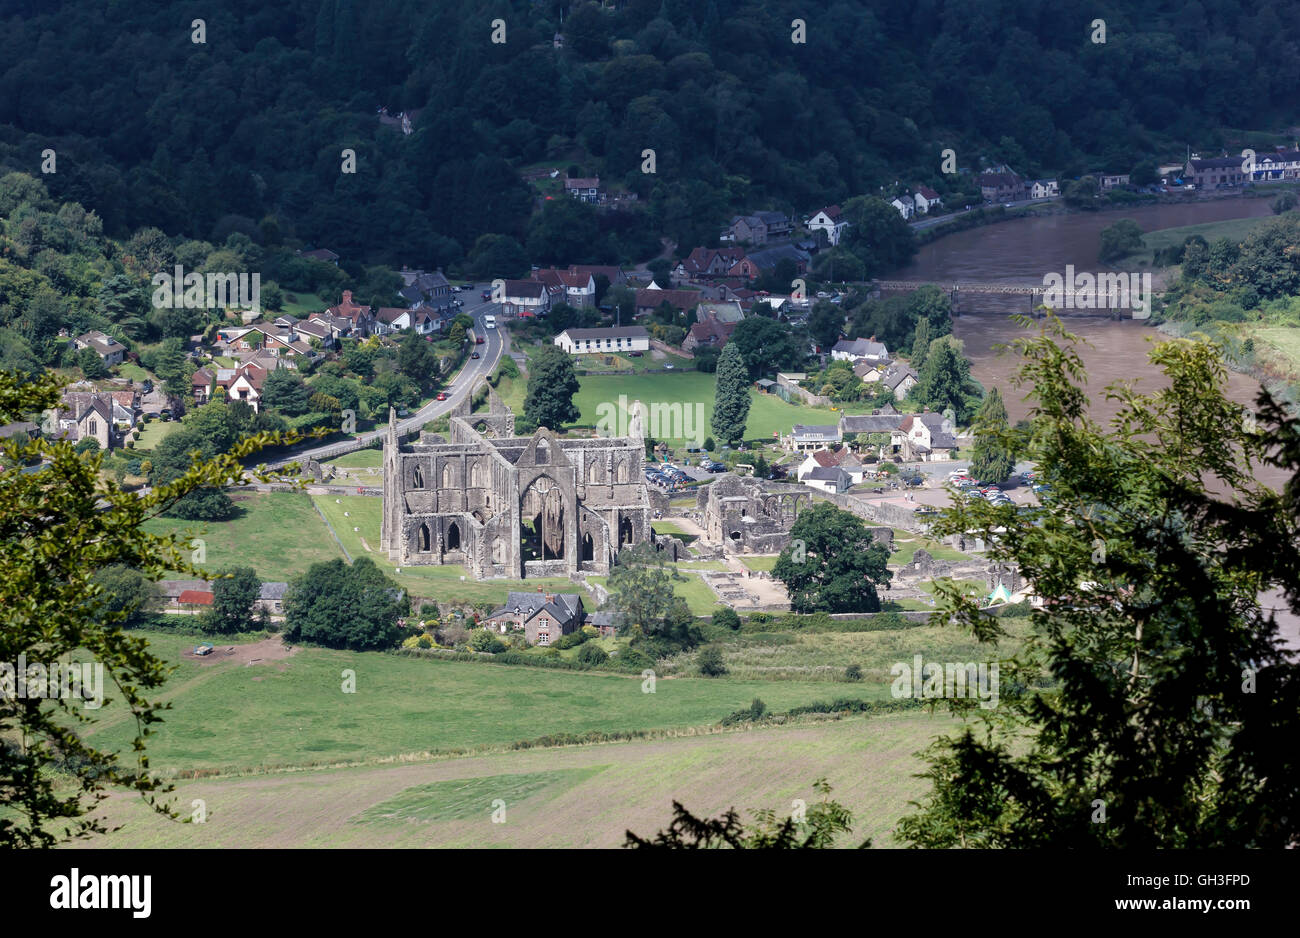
(105, 346)
(757, 263)
(649, 299)
(807, 439)
(704, 263)
(926, 199)
(1206, 174)
(584, 190)
(831, 479)
(93, 415)
(878, 421)
(926, 437)
(325, 255)
(1043, 189)
(524, 298)
(391, 319)
(424, 289)
(543, 617)
(361, 317)
(900, 378)
(757, 228)
(1108, 181)
(841, 458)
(1281, 164)
(904, 205)
(569, 286)
(611, 339)
(243, 383)
(1002, 185)
(831, 221)
(202, 383)
(858, 350)
(708, 332)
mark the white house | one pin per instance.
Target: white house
(830, 221)
(391, 319)
(525, 298)
(928, 437)
(577, 288)
(1043, 188)
(858, 350)
(906, 207)
(610, 340)
(807, 439)
(925, 199)
(105, 346)
(828, 479)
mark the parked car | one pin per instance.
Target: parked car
(717, 467)
(486, 294)
(442, 395)
(636, 354)
(147, 387)
(925, 510)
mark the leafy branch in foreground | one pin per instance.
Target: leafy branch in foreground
(60, 524)
(1156, 704)
(822, 823)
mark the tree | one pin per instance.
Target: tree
(832, 563)
(416, 358)
(233, 595)
(945, 380)
(825, 323)
(731, 396)
(173, 457)
(1081, 193)
(1153, 687)
(920, 344)
(127, 594)
(1123, 237)
(285, 390)
(640, 588)
(65, 527)
(592, 655)
(995, 457)
(877, 235)
(339, 605)
(91, 365)
(825, 821)
(767, 346)
(552, 383)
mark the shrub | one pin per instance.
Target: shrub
(592, 654)
(726, 616)
(853, 672)
(710, 661)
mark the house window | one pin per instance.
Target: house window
(543, 637)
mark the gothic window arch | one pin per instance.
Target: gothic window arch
(423, 539)
(417, 478)
(453, 537)
(448, 476)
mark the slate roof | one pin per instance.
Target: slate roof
(816, 432)
(564, 609)
(870, 423)
(610, 332)
(862, 348)
(828, 474)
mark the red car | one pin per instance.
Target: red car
(442, 395)
(478, 340)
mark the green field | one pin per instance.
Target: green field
(361, 459)
(768, 413)
(1234, 229)
(277, 534)
(298, 304)
(584, 796)
(1285, 340)
(293, 712)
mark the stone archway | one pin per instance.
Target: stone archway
(453, 536)
(423, 539)
(543, 520)
(626, 533)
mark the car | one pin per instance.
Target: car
(475, 355)
(915, 481)
(486, 294)
(636, 354)
(442, 395)
(668, 367)
(147, 387)
(925, 510)
(717, 467)
(478, 340)
(1009, 205)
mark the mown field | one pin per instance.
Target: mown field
(1234, 229)
(277, 534)
(581, 796)
(293, 711)
(768, 414)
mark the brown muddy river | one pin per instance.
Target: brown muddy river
(1022, 251)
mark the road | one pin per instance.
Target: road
(496, 343)
(931, 222)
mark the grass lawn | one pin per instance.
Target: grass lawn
(701, 600)
(555, 797)
(1234, 229)
(906, 545)
(298, 303)
(133, 371)
(1284, 339)
(443, 583)
(154, 432)
(278, 534)
(760, 564)
(767, 412)
(361, 459)
(292, 711)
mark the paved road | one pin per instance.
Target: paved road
(496, 343)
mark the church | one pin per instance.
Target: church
(508, 506)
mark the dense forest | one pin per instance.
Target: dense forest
(244, 131)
